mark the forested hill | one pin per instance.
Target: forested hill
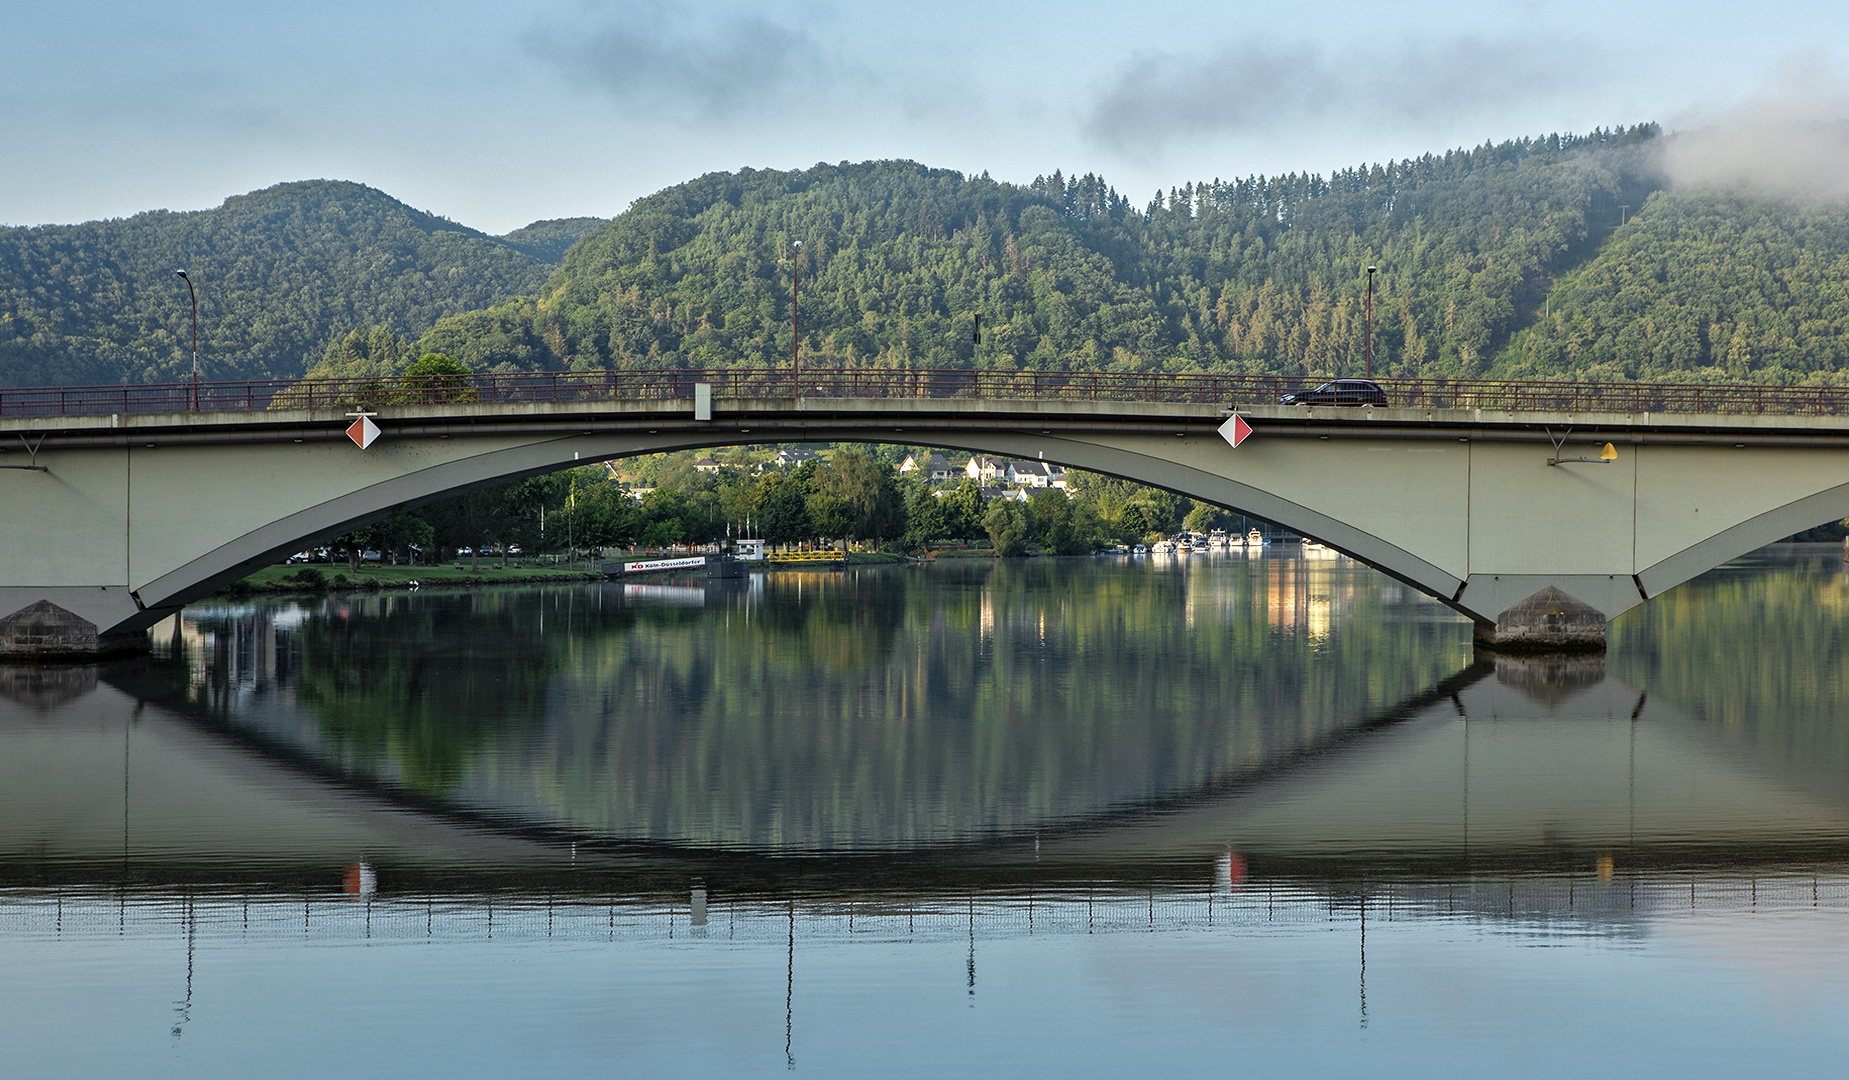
(1703, 286)
(279, 272)
(548, 241)
(1264, 274)
(1560, 256)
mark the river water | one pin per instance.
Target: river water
(1088, 817)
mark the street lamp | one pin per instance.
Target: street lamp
(796, 341)
(195, 295)
(1370, 322)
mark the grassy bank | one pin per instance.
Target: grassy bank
(337, 577)
(324, 577)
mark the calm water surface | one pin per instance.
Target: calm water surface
(1065, 817)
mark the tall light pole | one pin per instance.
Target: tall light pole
(1370, 322)
(195, 295)
(796, 341)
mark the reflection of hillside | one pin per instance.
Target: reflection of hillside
(1759, 652)
(1543, 765)
(109, 783)
(479, 666)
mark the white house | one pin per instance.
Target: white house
(1012, 494)
(983, 470)
(1027, 474)
(789, 459)
(932, 467)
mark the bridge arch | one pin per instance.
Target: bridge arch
(238, 556)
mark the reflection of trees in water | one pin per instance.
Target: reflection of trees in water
(425, 686)
(1760, 649)
(864, 708)
(888, 707)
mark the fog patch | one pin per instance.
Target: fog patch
(1788, 142)
(1257, 84)
(722, 65)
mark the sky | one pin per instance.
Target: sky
(496, 115)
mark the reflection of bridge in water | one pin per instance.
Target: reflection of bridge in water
(1621, 905)
(1520, 768)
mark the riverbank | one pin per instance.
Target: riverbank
(326, 577)
(338, 577)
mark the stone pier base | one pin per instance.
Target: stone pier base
(1548, 621)
(45, 631)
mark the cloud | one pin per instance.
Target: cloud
(1789, 141)
(718, 65)
(1259, 85)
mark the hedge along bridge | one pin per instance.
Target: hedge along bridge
(118, 505)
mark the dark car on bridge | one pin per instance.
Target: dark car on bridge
(1364, 392)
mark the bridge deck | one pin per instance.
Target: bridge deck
(926, 384)
(908, 420)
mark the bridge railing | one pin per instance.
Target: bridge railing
(927, 383)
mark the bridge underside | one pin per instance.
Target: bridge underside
(131, 518)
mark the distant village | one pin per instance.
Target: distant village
(909, 499)
(998, 478)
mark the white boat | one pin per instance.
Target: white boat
(1217, 538)
(1164, 547)
(1139, 550)
(1314, 545)
(1256, 539)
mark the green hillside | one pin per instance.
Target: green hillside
(1702, 287)
(1263, 274)
(279, 272)
(1559, 256)
(548, 240)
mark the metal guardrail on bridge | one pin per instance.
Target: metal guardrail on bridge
(926, 383)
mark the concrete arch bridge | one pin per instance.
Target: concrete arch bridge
(118, 505)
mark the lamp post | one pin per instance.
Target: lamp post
(190, 291)
(1370, 322)
(796, 341)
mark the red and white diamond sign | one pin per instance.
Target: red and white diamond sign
(1236, 430)
(363, 432)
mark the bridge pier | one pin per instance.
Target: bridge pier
(45, 631)
(1548, 621)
